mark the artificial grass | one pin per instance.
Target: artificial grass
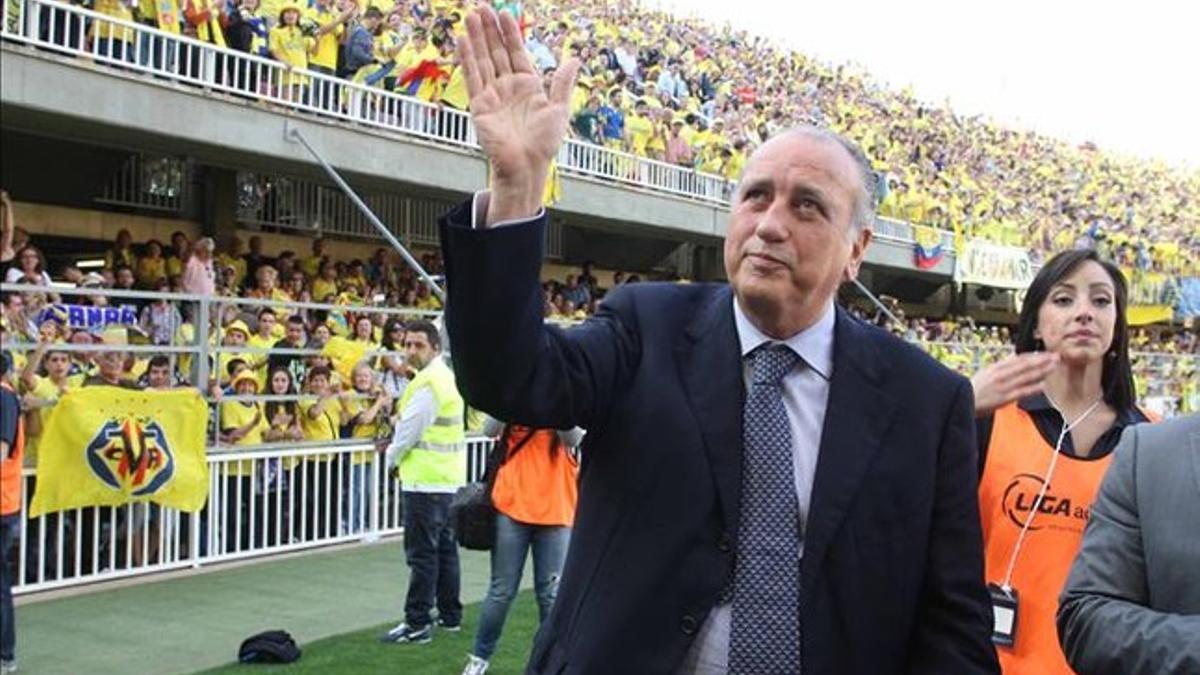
(362, 652)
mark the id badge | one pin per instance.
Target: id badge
(1004, 612)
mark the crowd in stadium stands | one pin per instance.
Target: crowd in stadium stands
(689, 93)
(360, 335)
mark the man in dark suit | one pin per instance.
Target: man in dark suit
(768, 486)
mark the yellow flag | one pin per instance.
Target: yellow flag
(105, 446)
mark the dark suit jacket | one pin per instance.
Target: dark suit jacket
(892, 576)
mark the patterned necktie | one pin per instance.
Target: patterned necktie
(765, 632)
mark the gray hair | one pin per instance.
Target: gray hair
(866, 202)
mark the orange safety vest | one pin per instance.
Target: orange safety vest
(10, 470)
(535, 486)
(1017, 459)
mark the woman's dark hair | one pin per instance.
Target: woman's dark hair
(387, 342)
(1116, 380)
(288, 407)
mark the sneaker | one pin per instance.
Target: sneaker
(404, 633)
(442, 624)
(10, 666)
(475, 665)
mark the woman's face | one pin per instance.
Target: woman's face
(394, 20)
(1078, 317)
(363, 379)
(363, 328)
(29, 260)
(279, 383)
(321, 333)
(154, 249)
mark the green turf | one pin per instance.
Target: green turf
(362, 652)
(182, 625)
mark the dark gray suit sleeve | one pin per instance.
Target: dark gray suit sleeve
(1104, 622)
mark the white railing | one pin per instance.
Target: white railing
(261, 502)
(69, 29)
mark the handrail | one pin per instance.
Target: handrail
(241, 74)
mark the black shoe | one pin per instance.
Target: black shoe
(449, 627)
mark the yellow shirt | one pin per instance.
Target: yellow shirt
(639, 129)
(150, 270)
(369, 431)
(324, 427)
(455, 93)
(289, 45)
(46, 390)
(235, 415)
(322, 289)
(118, 10)
(429, 302)
(327, 44)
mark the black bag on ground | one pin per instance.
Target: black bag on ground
(471, 511)
(273, 646)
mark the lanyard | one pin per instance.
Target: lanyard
(1012, 560)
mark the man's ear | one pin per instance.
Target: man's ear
(858, 251)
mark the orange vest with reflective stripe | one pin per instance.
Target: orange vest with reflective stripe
(10, 470)
(1017, 459)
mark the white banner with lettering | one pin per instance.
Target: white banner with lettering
(987, 264)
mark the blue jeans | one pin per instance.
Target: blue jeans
(513, 539)
(356, 516)
(432, 555)
(10, 526)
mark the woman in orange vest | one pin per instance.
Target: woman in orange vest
(1048, 419)
(535, 495)
(12, 451)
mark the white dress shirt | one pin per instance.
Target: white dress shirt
(805, 395)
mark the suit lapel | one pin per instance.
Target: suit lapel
(710, 366)
(857, 416)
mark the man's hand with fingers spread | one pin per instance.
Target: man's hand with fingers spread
(519, 125)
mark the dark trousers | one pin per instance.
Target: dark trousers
(432, 555)
(10, 525)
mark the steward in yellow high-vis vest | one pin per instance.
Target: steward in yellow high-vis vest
(431, 446)
(438, 461)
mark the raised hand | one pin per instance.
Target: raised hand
(519, 125)
(1011, 379)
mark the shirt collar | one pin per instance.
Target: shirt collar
(813, 344)
(1039, 403)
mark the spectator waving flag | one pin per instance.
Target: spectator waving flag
(927, 246)
(425, 73)
(105, 446)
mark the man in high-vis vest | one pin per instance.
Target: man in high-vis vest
(12, 450)
(430, 446)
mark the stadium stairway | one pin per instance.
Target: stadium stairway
(196, 621)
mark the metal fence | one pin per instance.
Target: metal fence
(262, 499)
(135, 48)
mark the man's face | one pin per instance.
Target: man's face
(125, 278)
(295, 333)
(790, 240)
(111, 365)
(235, 338)
(418, 350)
(159, 377)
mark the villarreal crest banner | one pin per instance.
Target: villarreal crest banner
(104, 446)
